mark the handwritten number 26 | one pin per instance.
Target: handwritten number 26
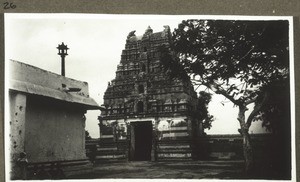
(8, 5)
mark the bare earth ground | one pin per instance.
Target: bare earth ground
(167, 170)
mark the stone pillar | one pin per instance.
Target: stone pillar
(17, 122)
(128, 129)
(154, 154)
(132, 142)
(100, 124)
(83, 133)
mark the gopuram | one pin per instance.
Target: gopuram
(144, 108)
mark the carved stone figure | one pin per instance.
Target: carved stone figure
(131, 34)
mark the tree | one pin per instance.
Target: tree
(175, 70)
(236, 59)
(277, 107)
(87, 135)
(202, 113)
(275, 115)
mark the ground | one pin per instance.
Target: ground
(167, 170)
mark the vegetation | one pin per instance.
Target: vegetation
(241, 60)
(87, 135)
(202, 113)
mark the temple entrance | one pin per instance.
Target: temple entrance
(141, 141)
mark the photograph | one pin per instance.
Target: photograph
(107, 96)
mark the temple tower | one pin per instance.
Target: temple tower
(142, 105)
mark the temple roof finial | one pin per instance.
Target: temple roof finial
(148, 30)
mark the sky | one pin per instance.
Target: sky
(96, 43)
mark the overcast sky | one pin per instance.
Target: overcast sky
(95, 43)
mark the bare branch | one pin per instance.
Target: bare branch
(247, 53)
(197, 87)
(250, 101)
(218, 90)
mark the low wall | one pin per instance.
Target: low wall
(176, 147)
(107, 150)
(230, 147)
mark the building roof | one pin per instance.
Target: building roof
(135, 38)
(156, 35)
(32, 80)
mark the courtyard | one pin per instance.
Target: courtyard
(168, 170)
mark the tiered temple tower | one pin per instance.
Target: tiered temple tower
(142, 102)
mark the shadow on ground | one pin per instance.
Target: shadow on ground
(167, 170)
(175, 170)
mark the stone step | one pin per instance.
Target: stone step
(175, 151)
(113, 160)
(174, 155)
(175, 140)
(110, 156)
(178, 159)
(174, 146)
(113, 152)
(107, 149)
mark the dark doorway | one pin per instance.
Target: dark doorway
(141, 141)
(143, 67)
(141, 89)
(140, 107)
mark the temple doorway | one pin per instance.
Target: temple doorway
(141, 141)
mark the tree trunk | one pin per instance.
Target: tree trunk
(248, 153)
(247, 147)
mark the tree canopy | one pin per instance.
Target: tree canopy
(202, 113)
(87, 135)
(175, 69)
(275, 114)
(233, 58)
(241, 60)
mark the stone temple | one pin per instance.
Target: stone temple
(47, 123)
(143, 106)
